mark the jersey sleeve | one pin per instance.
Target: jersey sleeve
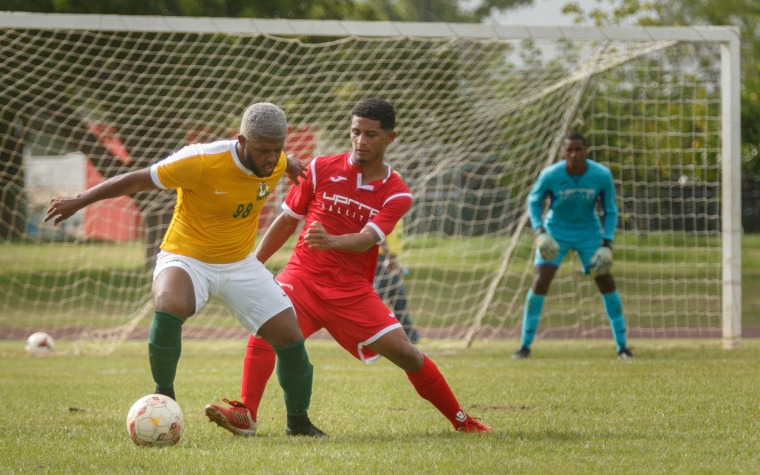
(182, 169)
(609, 206)
(536, 201)
(298, 198)
(391, 213)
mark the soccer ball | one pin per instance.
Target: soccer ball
(155, 420)
(40, 344)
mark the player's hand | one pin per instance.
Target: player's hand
(61, 208)
(295, 169)
(392, 265)
(548, 247)
(317, 238)
(601, 261)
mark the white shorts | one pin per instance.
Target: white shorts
(246, 288)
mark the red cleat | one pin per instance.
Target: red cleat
(466, 423)
(236, 419)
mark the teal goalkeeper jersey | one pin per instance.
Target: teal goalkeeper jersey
(572, 214)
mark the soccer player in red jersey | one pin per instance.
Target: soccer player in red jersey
(350, 202)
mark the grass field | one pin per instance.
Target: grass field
(685, 406)
(572, 408)
(64, 284)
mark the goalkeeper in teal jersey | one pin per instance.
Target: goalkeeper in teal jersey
(573, 186)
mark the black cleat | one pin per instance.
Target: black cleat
(625, 354)
(521, 354)
(307, 430)
(301, 425)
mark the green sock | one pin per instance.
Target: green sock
(164, 348)
(295, 372)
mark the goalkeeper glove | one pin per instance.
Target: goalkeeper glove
(547, 246)
(601, 261)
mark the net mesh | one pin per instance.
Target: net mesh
(477, 120)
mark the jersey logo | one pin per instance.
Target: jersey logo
(577, 194)
(217, 192)
(349, 207)
(336, 179)
(263, 191)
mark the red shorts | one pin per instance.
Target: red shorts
(354, 315)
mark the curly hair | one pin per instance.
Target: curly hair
(376, 109)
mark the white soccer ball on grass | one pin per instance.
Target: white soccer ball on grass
(155, 420)
(40, 344)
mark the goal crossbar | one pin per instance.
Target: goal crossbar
(337, 28)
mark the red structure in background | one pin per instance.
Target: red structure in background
(301, 143)
(117, 219)
(114, 219)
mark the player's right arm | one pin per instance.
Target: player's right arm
(275, 236)
(546, 245)
(63, 207)
(536, 202)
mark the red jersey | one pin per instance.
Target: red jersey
(334, 194)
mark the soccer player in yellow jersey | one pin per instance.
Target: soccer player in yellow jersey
(207, 249)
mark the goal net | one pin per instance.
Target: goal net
(481, 109)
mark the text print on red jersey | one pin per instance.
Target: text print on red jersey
(364, 212)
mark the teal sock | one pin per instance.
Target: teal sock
(614, 308)
(531, 315)
(295, 373)
(164, 348)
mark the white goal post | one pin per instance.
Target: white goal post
(481, 109)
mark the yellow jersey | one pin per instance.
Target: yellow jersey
(218, 201)
(393, 240)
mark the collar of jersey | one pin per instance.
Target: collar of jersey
(359, 184)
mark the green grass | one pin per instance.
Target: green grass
(572, 408)
(111, 283)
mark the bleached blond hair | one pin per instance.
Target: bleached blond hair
(264, 120)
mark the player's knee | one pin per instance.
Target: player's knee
(410, 358)
(178, 307)
(396, 347)
(605, 283)
(282, 329)
(177, 300)
(541, 287)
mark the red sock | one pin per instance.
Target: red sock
(258, 367)
(432, 386)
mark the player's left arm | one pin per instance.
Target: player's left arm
(601, 261)
(610, 209)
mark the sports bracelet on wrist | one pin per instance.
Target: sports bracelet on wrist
(607, 243)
